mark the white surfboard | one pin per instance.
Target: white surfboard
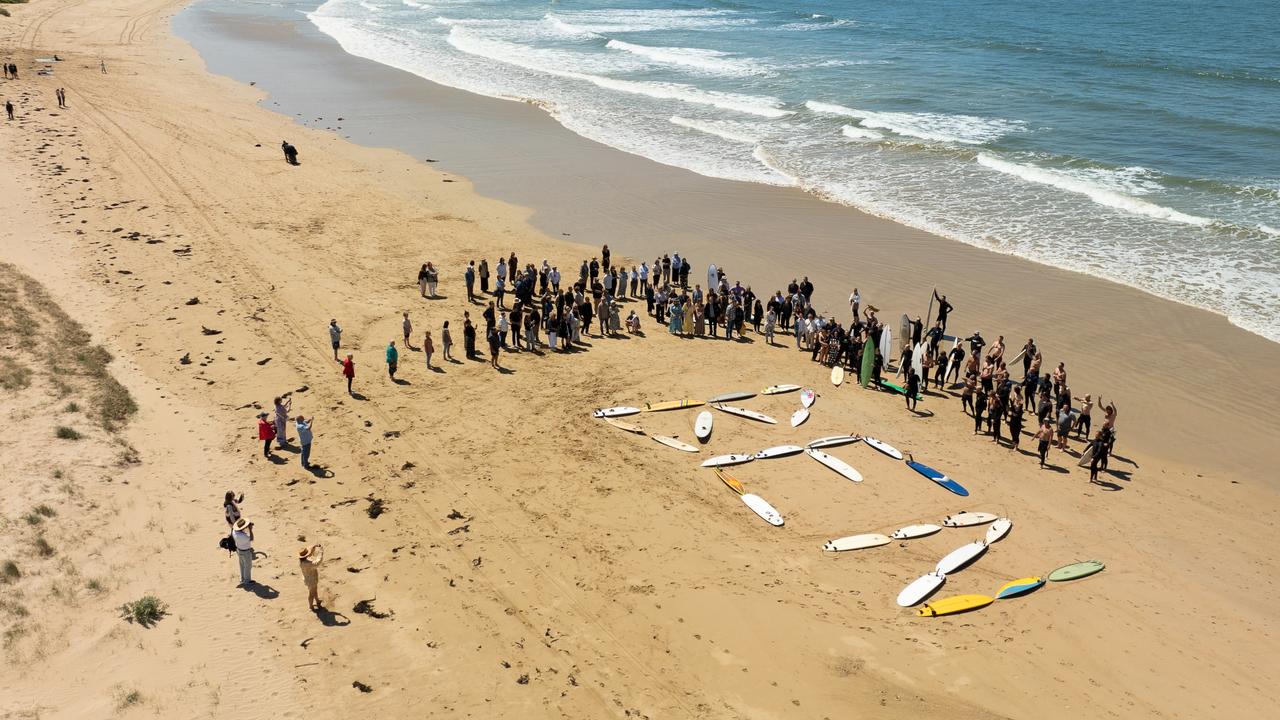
(798, 417)
(960, 556)
(886, 344)
(837, 375)
(998, 530)
(674, 443)
(615, 412)
(911, 532)
(702, 425)
(625, 426)
(762, 508)
(856, 542)
(965, 519)
(920, 588)
(832, 441)
(917, 358)
(808, 397)
(779, 451)
(835, 463)
(779, 389)
(883, 447)
(743, 412)
(951, 360)
(722, 460)
(713, 279)
(730, 397)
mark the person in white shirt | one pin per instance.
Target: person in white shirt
(242, 534)
(554, 277)
(855, 299)
(335, 337)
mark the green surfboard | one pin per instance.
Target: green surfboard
(896, 388)
(868, 362)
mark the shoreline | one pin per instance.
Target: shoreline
(505, 150)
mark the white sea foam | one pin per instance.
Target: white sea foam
(856, 133)
(721, 129)
(415, 4)
(1095, 192)
(707, 61)
(766, 159)
(610, 22)
(370, 7)
(558, 26)
(934, 127)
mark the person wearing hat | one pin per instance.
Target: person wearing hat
(266, 433)
(309, 559)
(242, 534)
(335, 337)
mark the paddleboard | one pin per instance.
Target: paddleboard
(856, 542)
(743, 412)
(883, 447)
(896, 388)
(702, 425)
(730, 397)
(713, 279)
(808, 397)
(911, 532)
(674, 443)
(721, 460)
(837, 375)
(836, 464)
(917, 359)
(731, 481)
(762, 508)
(615, 412)
(671, 405)
(998, 530)
(920, 588)
(868, 363)
(961, 556)
(779, 451)
(938, 477)
(954, 604)
(965, 519)
(798, 417)
(624, 426)
(1076, 571)
(779, 389)
(1021, 586)
(832, 441)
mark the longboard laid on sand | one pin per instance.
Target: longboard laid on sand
(762, 508)
(615, 412)
(938, 477)
(1075, 571)
(731, 482)
(911, 532)
(798, 417)
(808, 397)
(625, 426)
(837, 375)
(921, 588)
(674, 443)
(743, 412)
(832, 441)
(998, 530)
(836, 464)
(967, 519)
(671, 405)
(1021, 586)
(730, 397)
(954, 604)
(779, 451)
(856, 542)
(779, 389)
(883, 447)
(702, 425)
(732, 459)
(960, 557)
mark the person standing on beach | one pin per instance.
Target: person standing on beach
(470, 278)
(484, 274)
(604, 257)
(495, 344)
(855, 300)
(266, 433)
(1045, 436)
(422, 280)
(393, 358)
(231, 507)
(1015, 419)
(944, 309)
(512, 267)
(468, 336)
(913, 388)
(8, 108)
(446, 341)
(309, 559)
(433, 278)
(303, 426)
(242, 534)
(407, 327)
(335, 337)
(349, 371)
(1029, 353)
(281, 408)
(427, 347)
(290, 152)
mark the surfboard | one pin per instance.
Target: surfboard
(671, 405)
(837, 375)
(713, 278)
(954, 604)
(920, 588)
(911, 532)
(856, 542)
(917, 359)
(938, 477)
(951, 360)
(1075, 571)
(998, 530)
(743, 412)
(868, 363)
(615, 412)
(702, 425)
(762, 508)
(883, 447)
(896, 388)
(779, 389)
(674, 443)
(798, 417)
(904, 327)
(1086, 457)
(966, 519)
(730, 481)
(779, 451)
(1021, 586)
(836, 464)
(886, 344)
(961, 556)
(733, 459)
(808, 397)
(624, 426)
(730, 397)
(832, 441)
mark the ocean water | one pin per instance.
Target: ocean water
(1138, 142)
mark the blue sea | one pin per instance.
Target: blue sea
(1135, 141)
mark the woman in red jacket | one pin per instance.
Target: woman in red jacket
(349, 371)
(266, 433)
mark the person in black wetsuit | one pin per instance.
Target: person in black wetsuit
(944, 309)
(290, 152)
(913, 387)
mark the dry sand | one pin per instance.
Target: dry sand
(534, 562)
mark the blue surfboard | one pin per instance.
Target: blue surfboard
(939, 478)
(1021, 586)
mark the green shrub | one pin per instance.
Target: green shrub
(65, 433)
(145, 611)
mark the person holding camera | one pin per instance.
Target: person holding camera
(243, 536)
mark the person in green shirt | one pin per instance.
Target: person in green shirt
(393, 356)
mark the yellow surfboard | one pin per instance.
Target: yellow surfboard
(731, 481)
(671, 405)
(954, 604)
(1021, 586)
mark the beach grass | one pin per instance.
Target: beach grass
(144, 611)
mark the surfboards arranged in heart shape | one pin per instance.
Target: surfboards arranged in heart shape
(702, 425)
(832, 441)
(1021, 586)
(938, 477)
(966, 519)
(730, 397)
(671, 405)
(721, 460)
(731, 482)
(835, 463)
(856, 542)
(778, 451)
(762, 508)
(779, 389)
(615, 412)
(1075, 571)
(920, 588)
(961, 556)
(954, 604)
(837, 375)
(798, 417)
(998, 530)
(743, 412)
(808, 397)
(911, 532)
(674, 443)
(625, 426)
(883, 447)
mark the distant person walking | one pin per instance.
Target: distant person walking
(428, 348)
(303, 426)
(103, 65)
(446, 340)
(8, 108)
(393, 358)
(408, 328)
(61, 94)
(266, 433)
(309, 559)
(335, 337)
(290, 152)
(242, 534)
(349, 371)
(469, 276)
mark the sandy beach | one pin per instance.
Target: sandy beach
(530, 561)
